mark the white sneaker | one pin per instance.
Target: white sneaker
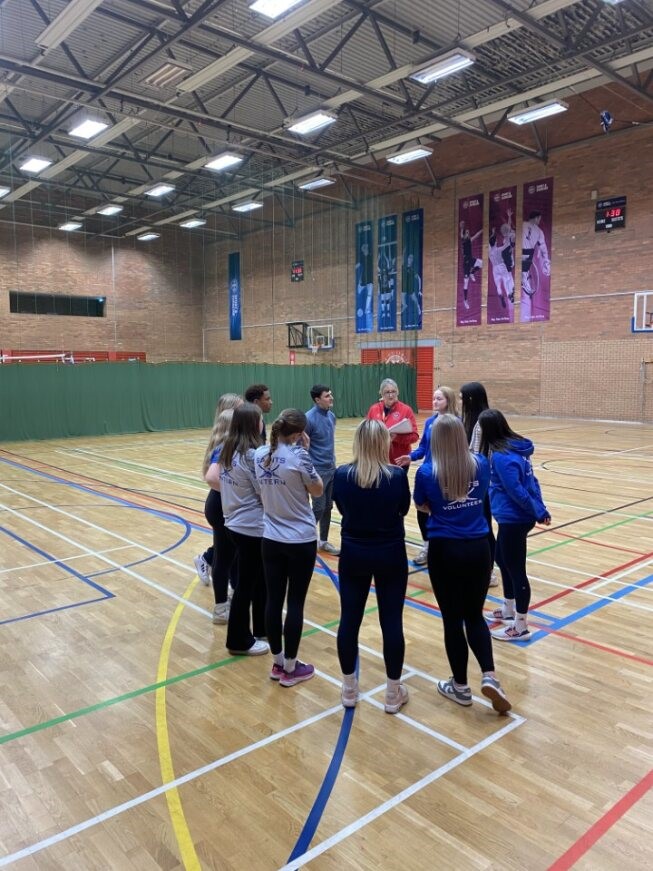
(395, 699)
(349, 694)
(423, 556)
(494, 578)
(327, 547)
(257, 649)
(203, 569)
(220, 613)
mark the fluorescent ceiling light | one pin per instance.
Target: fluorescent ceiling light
(35, 164)
(192, 223)
(69, 226)
(88, 128)
(4, 191)
(310, 123)
(444, 66)
(68, 20)
(110, 210)
(410, 154)
(613, 2)
(165, 75)
(316, 183)
(147, 237)
(273, 8)
(223, 161)
(247, 207)
(535, 113)
(160, 190)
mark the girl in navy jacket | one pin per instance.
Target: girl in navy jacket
(517, 505)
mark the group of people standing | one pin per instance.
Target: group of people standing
(265, 540)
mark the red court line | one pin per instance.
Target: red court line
(602, 825)
(561, 593)
(604, 647)
(591, 541)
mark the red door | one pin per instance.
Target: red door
(421, 358)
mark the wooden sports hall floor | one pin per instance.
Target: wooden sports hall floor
(129, 739)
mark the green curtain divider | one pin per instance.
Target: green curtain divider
(43, 401)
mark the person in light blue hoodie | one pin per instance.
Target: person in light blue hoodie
(516, 502)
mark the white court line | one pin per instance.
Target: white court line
(144, 474)
(598, 510)
(541, 446)
(398, 799)
(597, 577)
(571, 472)
(67, 559)
(193, 481)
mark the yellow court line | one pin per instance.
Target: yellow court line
(180, 827)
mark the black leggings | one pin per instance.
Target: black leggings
(223, 551)
(387, 564)
(459, 569)
(422, 517)
(288, 567)
(250, 591)
(490, 536)
(511, 559)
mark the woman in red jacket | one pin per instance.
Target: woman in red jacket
(398, 417)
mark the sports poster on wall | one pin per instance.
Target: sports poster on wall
(387, 275)
(411, 274)
(364, 276)
(537, 230)
(235, 331)
(470, 247)
(501, 257)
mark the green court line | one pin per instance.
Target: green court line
(590, 534)
(107, 703)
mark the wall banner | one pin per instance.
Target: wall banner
(411, 278)
(387, 274)
(235, 331)
(501, 257)
(364, 274)
(469, 281)
(537, 230)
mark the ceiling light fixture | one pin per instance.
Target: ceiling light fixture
(160, 190)
(110, 210)
(310, 123)
(63, 25)
(249, 206)
(273, 8)
(35, 164)
(223, 161)
(316, 183)
(165, 75)
(147, 237)
(192, 223)
(4, 191)
(409, 154)
(450, 63)
(87, 128)
(613, 2)
(536, 113)
(69, 226)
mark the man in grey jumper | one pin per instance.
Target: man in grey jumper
(321, 429)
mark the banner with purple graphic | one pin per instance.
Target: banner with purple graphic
(536, 233)
(387, 274)
(364, 277)
(501, 257)
(470, 247)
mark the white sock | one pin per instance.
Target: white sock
(289, 664)
(520, 621)
(509, 607)
(460, 686)
(350, 680)
(393, 685)
(278, 659)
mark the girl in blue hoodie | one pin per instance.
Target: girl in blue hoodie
(516, 502)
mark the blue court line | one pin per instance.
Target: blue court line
(54, 610)
(588, 609)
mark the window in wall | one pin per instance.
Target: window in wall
(56, 304)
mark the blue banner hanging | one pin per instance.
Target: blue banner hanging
(235, 331)
(411, 279)
(364, 276)
(387, 275)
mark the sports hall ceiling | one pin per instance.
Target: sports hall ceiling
(179, 82)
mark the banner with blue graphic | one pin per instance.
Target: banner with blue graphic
(387, 274)
(411, 276)
(235, 331)
(364, 276)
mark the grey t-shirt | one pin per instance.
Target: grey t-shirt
(241, 500)
(287, 513)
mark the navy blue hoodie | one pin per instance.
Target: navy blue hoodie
(515, 495)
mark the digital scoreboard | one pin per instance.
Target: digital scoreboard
(610, 214)
(297, 270)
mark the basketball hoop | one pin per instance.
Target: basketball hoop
(317, 346)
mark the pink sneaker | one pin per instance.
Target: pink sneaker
(303, 671)
(276, 672)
